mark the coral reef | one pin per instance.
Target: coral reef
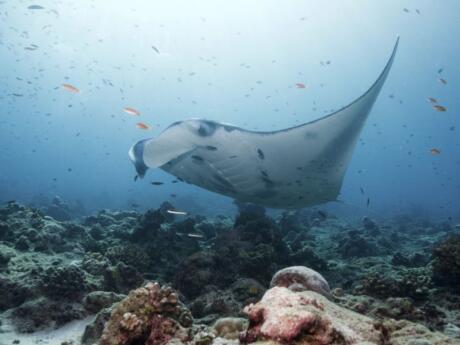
(446, 264)
(150, 315)
(287, 317)
(54, 271)
(306, 318)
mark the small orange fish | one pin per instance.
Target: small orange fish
(439, 108)
(432, 100)
(131, 111)
(435, 151)
(142, 125)
(442, 81)
(70, 88)
(300, 85)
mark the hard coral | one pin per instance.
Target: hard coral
(446, 265)
(306, 317)
(63, 282)
(130, 254)
(414, 283)
(199, 270)
(152, 315)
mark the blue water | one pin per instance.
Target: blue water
(230, 61)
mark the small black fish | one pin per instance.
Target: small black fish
(261, 154)
(69, 169)
(35, 7)
(211, 148)
(362, 190)
(322, 214)
(234, 156)
(157, 183)
(174, 181)
(156, 49)
(136, 177)
(368, 202)
(440, 70)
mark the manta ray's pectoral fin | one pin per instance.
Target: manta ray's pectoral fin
(155, 152)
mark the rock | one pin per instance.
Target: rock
(121, 278)
(300, 278)
(13, 293)
(43, 312)
(404, 332)
(6, 253)
(214, 304)
(4, 230)
(369, 224)
(356, 246)
(412, 282)
(97, 300)
(130, 254)
(199, 270)
(149, 226)
(94, 330)
(230, 327)
(306, 317)
(22, 243)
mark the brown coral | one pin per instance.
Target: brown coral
(150, 314)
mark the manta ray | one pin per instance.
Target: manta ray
(290, 168)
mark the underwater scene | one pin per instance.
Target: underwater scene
(229, 172)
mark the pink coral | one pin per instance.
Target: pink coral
(306, 318)
(151, 314)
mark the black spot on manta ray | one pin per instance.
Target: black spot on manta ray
(311, 135)
(261, 154)
(197, 158)
(268, 183)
